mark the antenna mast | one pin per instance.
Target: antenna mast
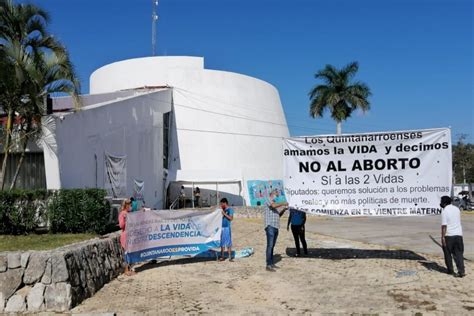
(154, 18)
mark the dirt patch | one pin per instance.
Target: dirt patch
(412, 303)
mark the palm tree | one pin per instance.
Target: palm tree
(9, 100)
(339, 94)
(51, 73)
(38, 65)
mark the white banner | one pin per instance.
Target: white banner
(153, 234)
(374, 174)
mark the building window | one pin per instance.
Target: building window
(32, 173)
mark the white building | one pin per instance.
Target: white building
(176, 123)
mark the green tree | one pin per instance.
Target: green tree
(51, 73)
(463, 160)
(10, 98)
(339, 93)
(37, 65)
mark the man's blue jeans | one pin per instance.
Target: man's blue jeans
(272, 235)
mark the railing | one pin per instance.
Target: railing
(173, 205)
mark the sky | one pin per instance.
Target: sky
(415, 55)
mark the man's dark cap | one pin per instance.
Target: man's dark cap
(446, 200)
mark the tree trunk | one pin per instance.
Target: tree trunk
(338, 127)
(6, 146)
(464, 174)
(20, 162)
(469, 188)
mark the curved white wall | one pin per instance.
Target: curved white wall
(227, 125)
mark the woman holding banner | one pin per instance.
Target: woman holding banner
(126, 207)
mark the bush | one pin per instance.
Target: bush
(66, 211)
(22, 211)
(78, 211)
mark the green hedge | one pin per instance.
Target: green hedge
(78, 211)
(66, 211)
(22, 210)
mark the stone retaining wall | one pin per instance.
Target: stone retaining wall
(59, 279)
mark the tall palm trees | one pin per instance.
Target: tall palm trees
(339, 94)
(33, 65)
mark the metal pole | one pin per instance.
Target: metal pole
(154, 18)
(192, 195)
(241, 194)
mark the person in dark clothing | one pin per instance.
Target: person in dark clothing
(134, 204)
(197, 196)
(297, 219)
(182, 197)
(451, 236)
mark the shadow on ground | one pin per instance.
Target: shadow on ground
(351, 253)
(276, 258)
(433, 266)
(163, 263)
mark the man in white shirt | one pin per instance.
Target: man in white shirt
(451, 236)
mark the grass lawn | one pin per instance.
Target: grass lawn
(40, 242)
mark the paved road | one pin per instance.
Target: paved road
(410, 233)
